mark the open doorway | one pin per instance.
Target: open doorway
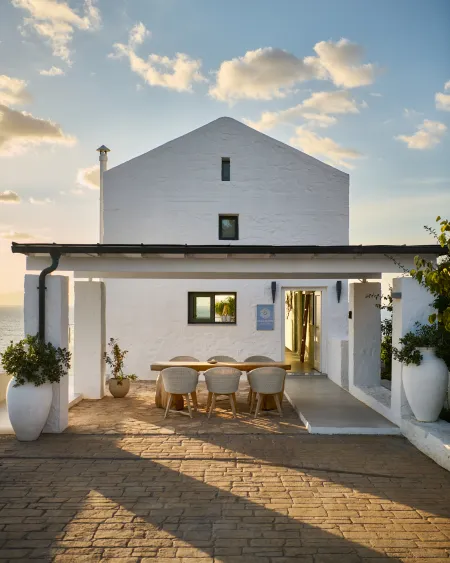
(303, 320)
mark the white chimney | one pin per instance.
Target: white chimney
(103, 158)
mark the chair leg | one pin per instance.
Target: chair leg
(249, 396)
(252, 401)
(169, 403)
(213, 405)
(208, 402)
(188, 402)
(233, 406)
(235, 401)
(258, 404)
(194, 400)
(277, 402)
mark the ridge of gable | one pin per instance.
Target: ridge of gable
(234, 123)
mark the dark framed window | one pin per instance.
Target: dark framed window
(212, 307)
(228, 227)
(226, 169)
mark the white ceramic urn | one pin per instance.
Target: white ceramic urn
(28, 409)
(426, 386)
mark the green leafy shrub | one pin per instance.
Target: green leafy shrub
(436, 276)
(32, 360)
(226, 307)
(115, 360)
(424, 336)
(386, 334)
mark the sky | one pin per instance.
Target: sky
(363, 86)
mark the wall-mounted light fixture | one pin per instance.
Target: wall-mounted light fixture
(273, 287)
(338, 291)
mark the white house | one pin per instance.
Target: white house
(225, 184)
(212, 237)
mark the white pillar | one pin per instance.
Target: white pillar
(411, 304)
(89, 341)
(364, 341)
(103, 159)
(56, 332)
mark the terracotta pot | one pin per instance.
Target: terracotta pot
(118, 388)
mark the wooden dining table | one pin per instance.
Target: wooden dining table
(161, 395)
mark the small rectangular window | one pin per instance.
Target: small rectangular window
(226, 169)
(211, 308)
(228, 227)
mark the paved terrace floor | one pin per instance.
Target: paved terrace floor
(141, 495)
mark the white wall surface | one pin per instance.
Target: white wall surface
(174, 193)
(150, 319)
(89, 339)
(56, 332)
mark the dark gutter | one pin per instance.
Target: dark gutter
(55, 262)
(112, 249)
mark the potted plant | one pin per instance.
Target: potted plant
(33, 365)
(119, 382)
(226, 309)
(425, 355)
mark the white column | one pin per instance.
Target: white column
(56, 332)
(411, 304)
(89, 341)
(364, 341)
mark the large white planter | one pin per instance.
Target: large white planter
(28, 409)
(426, 386)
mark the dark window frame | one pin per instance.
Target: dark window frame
(226, 169)
(228, 217)
(192, 295)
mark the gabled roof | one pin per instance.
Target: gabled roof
(230, 123)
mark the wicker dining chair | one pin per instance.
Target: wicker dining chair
(179, 381)
(184, 359)
(222, 381)
(251, 394)
(267, 381)
(227, 359)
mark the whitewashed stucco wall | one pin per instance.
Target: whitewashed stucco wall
(174, 194)
(151, 321)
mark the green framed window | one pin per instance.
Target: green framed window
(228, 227)
(212, 307)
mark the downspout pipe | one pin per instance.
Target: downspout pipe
(55, 263)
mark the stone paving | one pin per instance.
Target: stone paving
(220, 497)
(138, 415)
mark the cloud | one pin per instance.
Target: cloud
(376, 94)
(428, 135)
(57, 21)
(21, 130)
(316, 109)
(324, 147)
(9, 196)
(45, 201)
(177, 73)
(269, 73)
(443, 100)
(89, 177)
(53, 71)
(262, 74)
(341, 61)
(16, 235)
(13, 91)
(411, 113)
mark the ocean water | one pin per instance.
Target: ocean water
(11, 325)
